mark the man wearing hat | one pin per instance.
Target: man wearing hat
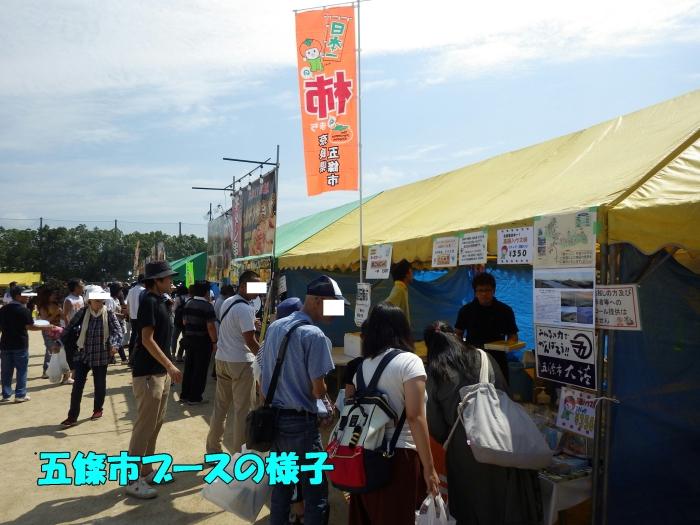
(15, 321)
(153, 371)
(301, 383)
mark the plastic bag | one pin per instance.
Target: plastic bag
(58, 365)
(244, 499)
(433, 511)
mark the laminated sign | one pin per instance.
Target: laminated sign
(576, 412)
(379, 261)
(566, 355)
(515, 246)
(363, 303)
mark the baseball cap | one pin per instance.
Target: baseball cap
(324, 286)
(23, 291)
(288, 307)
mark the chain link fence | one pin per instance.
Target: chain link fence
(170, 228)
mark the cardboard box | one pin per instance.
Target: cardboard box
(352, 346)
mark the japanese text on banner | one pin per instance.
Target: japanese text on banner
(328, 92)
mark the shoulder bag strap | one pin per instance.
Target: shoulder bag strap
(229, 308)
(278, 365)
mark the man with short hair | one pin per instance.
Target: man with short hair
(153, 371)
(7, 298)
(15, 321)
(301, 384)
(235, 386)
(486, 319)
(200, 337)
(402, 273)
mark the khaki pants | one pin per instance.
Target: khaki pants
(234, 398)
(151, 394)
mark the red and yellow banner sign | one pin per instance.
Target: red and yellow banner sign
(328, 93)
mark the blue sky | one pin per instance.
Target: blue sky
(115, 110)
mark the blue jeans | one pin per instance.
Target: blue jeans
(299, 433)
(9, 361)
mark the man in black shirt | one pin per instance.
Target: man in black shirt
(153, 371)
(15, 321)
(486, 319)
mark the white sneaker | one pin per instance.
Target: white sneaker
(140, 489)
(149, 479)
(22, 399)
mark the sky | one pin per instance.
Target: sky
(114, 110)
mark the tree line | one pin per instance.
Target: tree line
(94, 255)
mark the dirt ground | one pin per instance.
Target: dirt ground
(32, 427)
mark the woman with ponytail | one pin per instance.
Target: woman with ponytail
(478, 493)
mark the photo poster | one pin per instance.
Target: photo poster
(515, 245)
(565, 241)
(379, 261)
(617, 307)
(445, 252)
(566, 355)
(577, 412)
(363, 303)
(564, 296)
(259, 212)
(473, 248)
(215, 248)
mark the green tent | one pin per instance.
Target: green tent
(200, 266)
(294, 233)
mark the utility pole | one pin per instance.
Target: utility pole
(179, 229)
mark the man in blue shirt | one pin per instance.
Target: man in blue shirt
(301, 383)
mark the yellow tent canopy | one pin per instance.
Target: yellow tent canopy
(642, 169)
(23, 278)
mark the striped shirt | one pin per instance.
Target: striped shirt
(196, 314)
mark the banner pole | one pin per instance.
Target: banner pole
(359, 128)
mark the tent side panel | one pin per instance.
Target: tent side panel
(656, 426)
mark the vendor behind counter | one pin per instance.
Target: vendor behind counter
(486, 319)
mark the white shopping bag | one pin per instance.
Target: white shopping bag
(58, 365)
(244, 499)
(433, 511)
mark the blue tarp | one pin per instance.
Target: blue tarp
(439, 298)
(655, 448)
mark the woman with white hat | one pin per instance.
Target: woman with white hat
(100, 335)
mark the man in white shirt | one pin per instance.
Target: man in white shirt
(7, 298)
(236, 349)
(133, 298)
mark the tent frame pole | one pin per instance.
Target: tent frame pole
(359, 133)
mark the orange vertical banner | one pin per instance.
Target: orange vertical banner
(328, 95)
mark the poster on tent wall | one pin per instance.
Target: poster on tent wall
(617, 307)
(325, 40)
(215, 248)
(379, 261)
(515, 245)
(445, 251)
(564, 296)
(566, 355)
(565, 240)
(237, 226)
(259, 216)
(576, 412)
(472, 248)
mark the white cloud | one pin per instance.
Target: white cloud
(468, 152)
(71, 71)
(374, 85)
